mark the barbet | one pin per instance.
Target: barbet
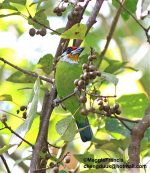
(67, 70)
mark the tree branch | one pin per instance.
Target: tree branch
(41, 144)
(69, 24)
(5, 163)
(33, 74)
(111, 32)
(92, 19)
(136, 137)
(9, 128)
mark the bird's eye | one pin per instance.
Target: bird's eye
(69, 50)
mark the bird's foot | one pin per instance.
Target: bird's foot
(56, 102)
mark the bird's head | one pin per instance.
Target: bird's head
(71, 54)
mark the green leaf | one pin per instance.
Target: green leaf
(31, 113)
(19, 77)
(6, 5)
(39, 20)
(6, 97)
(67, 128)
(45, 63)
(130, 5)
(22, 2)
(17, 162)
(82, 158)
(59, 30)
(77, 31)
(11, 14)
(115, 126)
(110, 77)
(133, 105)
(5, 148)
(114, 66)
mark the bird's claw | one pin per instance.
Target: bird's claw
(56, 102)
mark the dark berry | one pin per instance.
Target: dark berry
(86, 76)
(56, 169)
(76, 82)
(92, 75)
(83, 99)
(91, 109)
(42, 31)
(56, 10)
(107, 108)
(100, 102)
(22, 108)
(62, 9)
(98, 73)
(84, 111)
(80, 83)
(94, 56)
(67, 159)
(90, 58)
(92, 68)
(116, 106)
(81, 77)
(105, 99)
(3, 118)
(32, 32)
(24, 115)
(118, 111)
(84, 66)
(112, 111)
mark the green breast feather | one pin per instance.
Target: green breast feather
(65, 75)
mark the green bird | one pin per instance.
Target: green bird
(67, 70)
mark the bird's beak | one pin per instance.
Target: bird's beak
(77, 51)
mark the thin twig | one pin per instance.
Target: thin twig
(33, 74)
(5, 163)
(122, 122)
(92, 19)
(99, 96)
(11, 114)
(9, 128)
(121, 118)
(57, 102)
(131, 15)
(111, 32)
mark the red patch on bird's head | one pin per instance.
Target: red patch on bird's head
(74, 47)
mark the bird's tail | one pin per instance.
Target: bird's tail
(85, 133)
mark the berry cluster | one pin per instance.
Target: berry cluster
(41, 32)
(24, 110)
(90, 72)
(59, 10)
(105, 108)
(72, 15)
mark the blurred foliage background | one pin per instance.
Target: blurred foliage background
(127, 57)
